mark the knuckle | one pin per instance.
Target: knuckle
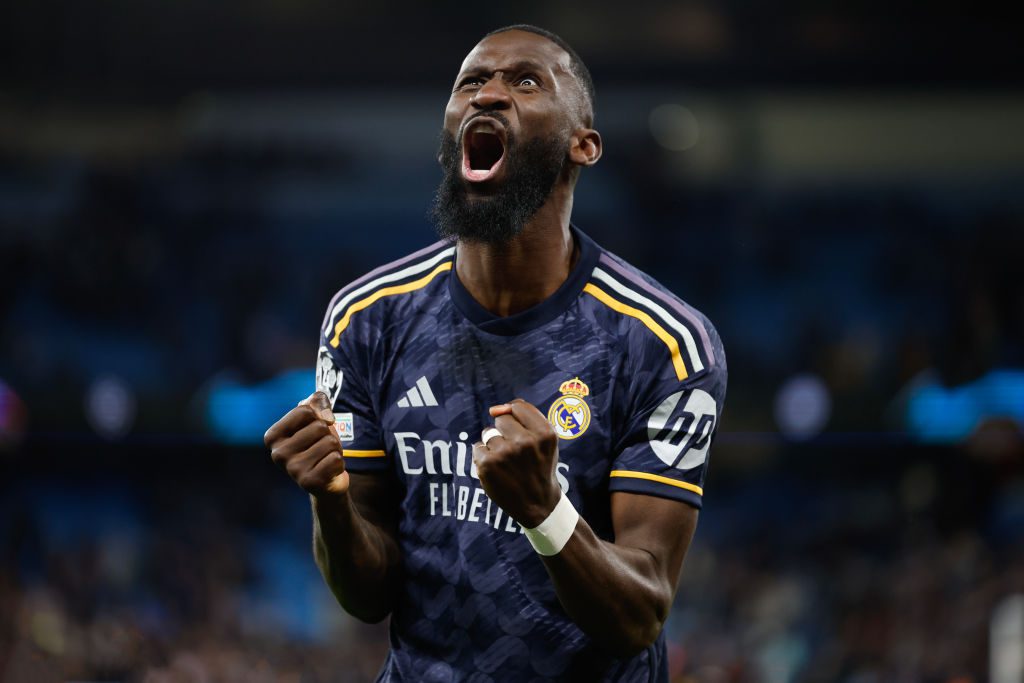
(303, 414)
(294, 469)
(337, 463)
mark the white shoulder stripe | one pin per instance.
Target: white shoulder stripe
(383, 280)
(682, 330)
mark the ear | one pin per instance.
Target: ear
(585, 147)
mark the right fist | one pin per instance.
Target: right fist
(306, 445)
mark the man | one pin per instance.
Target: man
(549, 549)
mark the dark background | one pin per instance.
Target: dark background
(184, 185)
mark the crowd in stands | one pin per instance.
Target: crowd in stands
(173, 275)
(888, 573)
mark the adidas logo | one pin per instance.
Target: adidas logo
(420, 395)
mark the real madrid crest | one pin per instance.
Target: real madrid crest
(570, 414)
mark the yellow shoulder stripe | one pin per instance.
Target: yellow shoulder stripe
(652, 325)
(381, 293)
(660, 479)
(363, 454)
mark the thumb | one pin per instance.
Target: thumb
(321, 405)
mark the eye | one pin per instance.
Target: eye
(471, 82)
(529, 82)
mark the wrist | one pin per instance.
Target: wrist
(331, 507)
(550, 535)
(533, 515)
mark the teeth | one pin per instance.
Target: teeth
(484, 127)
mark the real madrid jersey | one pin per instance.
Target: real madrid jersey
(631, 378)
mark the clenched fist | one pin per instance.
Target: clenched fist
(306, 445)
(517, 469)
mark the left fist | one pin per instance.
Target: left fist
(517, 469)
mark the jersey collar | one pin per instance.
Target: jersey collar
(538, 315)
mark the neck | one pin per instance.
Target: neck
(511, 277)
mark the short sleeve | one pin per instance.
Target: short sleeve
(666, 442)
(341, 373)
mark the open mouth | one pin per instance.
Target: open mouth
(483, 150)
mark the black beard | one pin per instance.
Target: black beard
(531, 169)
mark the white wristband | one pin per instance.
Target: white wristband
(551, 535)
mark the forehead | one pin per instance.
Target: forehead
(509, 48)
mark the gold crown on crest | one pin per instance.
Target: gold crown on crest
(575, 387)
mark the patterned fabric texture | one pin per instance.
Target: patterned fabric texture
(632, 379)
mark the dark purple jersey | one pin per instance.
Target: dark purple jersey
(631, 378)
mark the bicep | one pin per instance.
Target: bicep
(659, 526)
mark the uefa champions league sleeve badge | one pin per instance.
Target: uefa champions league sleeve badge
(570, 414)
(328, 376)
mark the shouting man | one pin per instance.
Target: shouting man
(508, 444)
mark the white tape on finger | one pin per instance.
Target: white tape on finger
(550, 536)
(489, 434)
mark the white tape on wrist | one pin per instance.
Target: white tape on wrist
(551, 535)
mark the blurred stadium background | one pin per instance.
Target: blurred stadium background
(838, 186)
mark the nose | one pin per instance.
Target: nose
(492, 95)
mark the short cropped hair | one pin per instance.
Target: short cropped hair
(576, 66)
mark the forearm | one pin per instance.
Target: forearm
(358, 560)
(613, 593)
(618, 593)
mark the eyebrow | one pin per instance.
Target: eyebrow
(517, 67)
